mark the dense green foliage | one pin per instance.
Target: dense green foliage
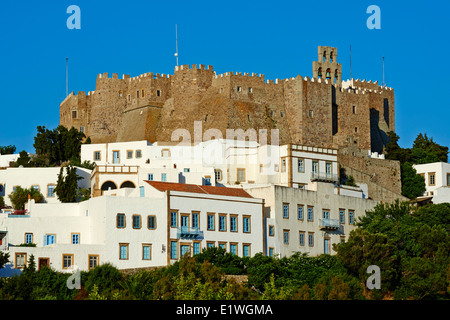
(424, 150)
(55, 147)
(7, 149)
(410, 245)
(67, 184)
(19, 197)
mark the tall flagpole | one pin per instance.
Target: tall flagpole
(67, 77)
(176, 43)
(384, 83)
(350, 61)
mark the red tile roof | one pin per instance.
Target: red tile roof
(222, 191)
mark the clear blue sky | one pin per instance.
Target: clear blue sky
(276, 38)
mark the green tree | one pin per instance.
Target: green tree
(20, 196)
(67, 185)
(4, 258)
(413, 184)
(394, 151)
(425, 150)
(7, 149)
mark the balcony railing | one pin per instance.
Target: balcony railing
(329, 224)
(323, 176)
(189, 233)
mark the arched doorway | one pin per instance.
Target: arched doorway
(108, 185)
(127, 184)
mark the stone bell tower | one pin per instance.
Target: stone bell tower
(326, 67)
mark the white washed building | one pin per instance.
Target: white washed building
(153, 225)
(437, 180)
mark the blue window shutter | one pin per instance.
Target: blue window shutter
(142, 192)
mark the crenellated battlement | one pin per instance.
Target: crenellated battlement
(193, 67)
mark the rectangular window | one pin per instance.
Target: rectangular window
(209, 244)
(163, 177)
(123, 251)
(341, 216)
(173, 219)
(218, 174)
(283, 165)
(184, 220)
(211, 224)
(97, 156)
(51, 191)
(326, 214)
(223, 245)
(222, 222)
(286, 236)
(301, 165)
(93, 261)
(300, 212)
(271, 250)
(310, 213)
(431, 178)
(146, 252)
(233, 223)
(151, 222)
(448, 179)
(233, 248)
(195, 220)
(74, 114)
(301, 237)
(67, 261)
(158, 93)
(328, 170)
(20, 260)
(120, 220)
(142, 192)
(82, 129)
(173, 250)
(246, 250)
(311, 239)
(49, 239)
(129, 154)
(137, 93)
(186, 170)
(246, 224)
(142, 93)
(240, 175)
(35, 187)
(138, 154)
(75, 238)
(271, 231)
(196, 247)
(28, 238)
(150, 177)
(136, 221)
(116, 157)
(207, 180)
(315, 167)
(285, 210)
(351, 217)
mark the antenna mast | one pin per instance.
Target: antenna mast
(350, 61)
(384, 83)
(67, 77)
(176, 43)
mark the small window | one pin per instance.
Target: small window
(250, 90)
(137, 94)
(158, 93)
(239, 89)
(28, 238)
(282, 114)
(173, 219)
(431, 178)
(310, 214)
(300, 212)
(146, 252)
(246, 224)
(207, 180)
(311, 239)
(356, 129)
(222, 222)
(301, 237)
(218, 174)
(240, 175)
(20, 260)
(138, 154)
(286, 210)
(136, 221)
(150, 177)
(129, 97)
(283, 165)
(97, 156)
(151, 222)
(186, 170)
(123, 251)
(35, 187)
(351, 217)
(51, 191)
(93, 261)
(142, 93)
(173, 250)
(75, 238)
(233, 223)
(233, 248)
(210, 221)
(311, 113)
(286, 236)
(301, 165)
(271, 252)
(120, 220)
(271, 231)
(74, 114)
(164, 177)
(82, 129)
(129, 154)
(341, 216)
(246, 250)
(195, 220)
(67, 261)
(354, 109)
